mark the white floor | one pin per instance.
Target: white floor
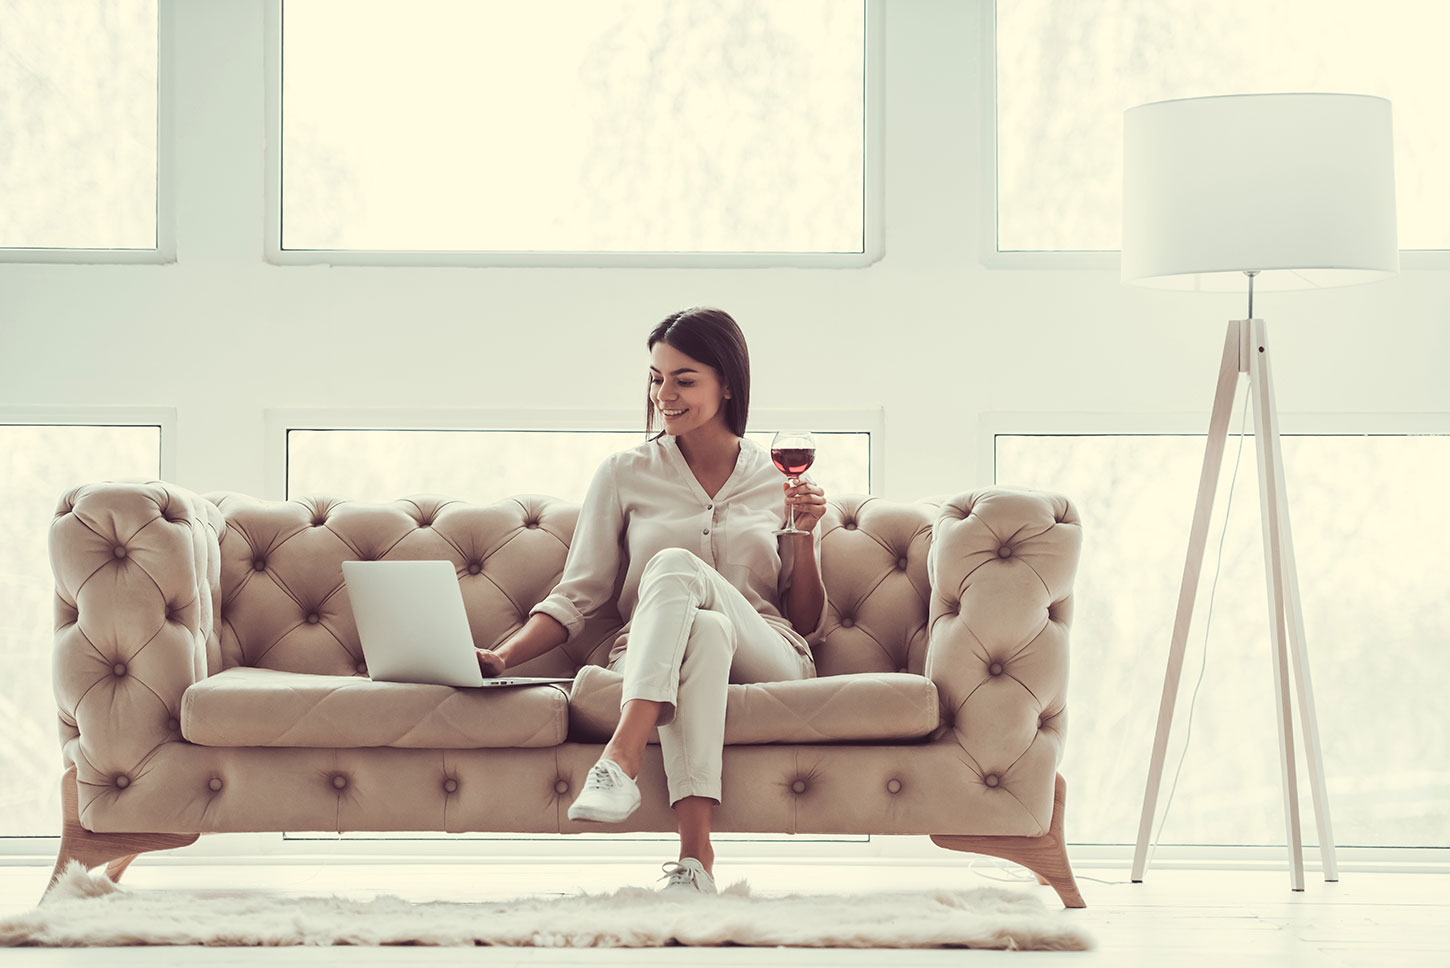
(1175, 918)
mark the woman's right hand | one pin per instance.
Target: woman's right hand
(490, 663)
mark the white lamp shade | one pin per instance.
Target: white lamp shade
(1300, 187)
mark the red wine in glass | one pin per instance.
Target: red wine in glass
(792, 452)
(793, 461)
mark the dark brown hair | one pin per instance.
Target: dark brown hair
(712, 337)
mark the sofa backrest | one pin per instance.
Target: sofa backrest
(284, 604)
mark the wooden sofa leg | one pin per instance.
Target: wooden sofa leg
(1045, 856)
(116, 851)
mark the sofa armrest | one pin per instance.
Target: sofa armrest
(1001, 566)
(137, 566)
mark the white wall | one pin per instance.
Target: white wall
(928, 333)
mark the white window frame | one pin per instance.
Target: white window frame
(310, 848)
(279, 421)
(164, 252)
(102, 416)
(557, 847)
(873, 236)
(992, 424)
(993, 257)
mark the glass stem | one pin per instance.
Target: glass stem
(791, 508)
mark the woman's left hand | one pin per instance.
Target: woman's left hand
(809, 501)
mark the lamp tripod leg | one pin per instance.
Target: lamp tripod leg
(1294, 614)
(1231, 365)
(1266, 440)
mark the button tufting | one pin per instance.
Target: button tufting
(894, 786)
(902, 669)
(123, 781)
(561, 786)
(425, 524)
(992, 779)
(531, 524)
(119, 668)
(849, 525)
(799, 786)
(172, 724)
(216, 783)
(901, 563)
(847, 621)
(313, 618)
(318, 522)
(474, 568)
(120, 552)
(995, 668)
(362, 667)
(1004, 552)
(339, 781)
(450, 784)
(259, 564)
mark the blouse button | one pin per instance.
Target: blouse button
(709, 507)
(706, 531)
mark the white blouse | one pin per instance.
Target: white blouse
(646, 499)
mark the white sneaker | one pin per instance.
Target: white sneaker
(609, 795)
(688, 873)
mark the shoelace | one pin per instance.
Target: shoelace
(602, 776)
(678, 874)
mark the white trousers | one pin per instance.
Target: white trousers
(692, 633)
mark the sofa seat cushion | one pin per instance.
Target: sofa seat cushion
(246, 706)
(856, 707)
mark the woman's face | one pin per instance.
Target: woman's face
(680, 382)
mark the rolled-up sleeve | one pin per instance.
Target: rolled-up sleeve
(594, 555)
(787, 574)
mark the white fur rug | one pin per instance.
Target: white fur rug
(88, 909)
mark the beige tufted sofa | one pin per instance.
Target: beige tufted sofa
(209, 677)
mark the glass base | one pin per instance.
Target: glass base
(789, 531)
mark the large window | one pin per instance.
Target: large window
(1066, 71)
(1369, 540)
(483, 466)
(572, 126)
(43, 462)
(78, 129)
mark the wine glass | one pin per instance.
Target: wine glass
(792, 452)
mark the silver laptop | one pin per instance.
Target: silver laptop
(413, 626)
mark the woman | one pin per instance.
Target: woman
(710, 596)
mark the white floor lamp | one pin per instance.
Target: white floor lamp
(1298, 191)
